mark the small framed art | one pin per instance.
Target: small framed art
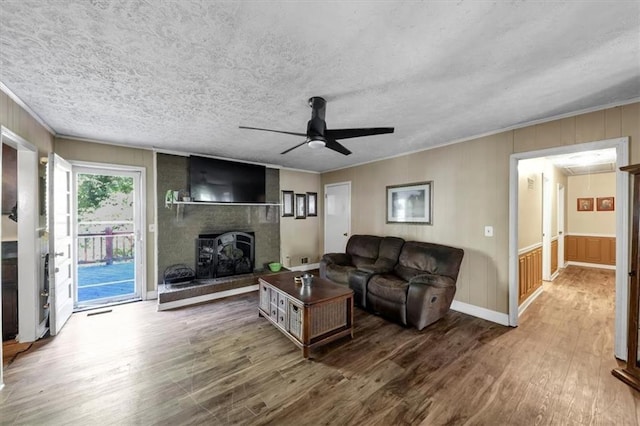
(312, 204)
(585, 204)
(605, 204)
(301, 206)
(287, 203)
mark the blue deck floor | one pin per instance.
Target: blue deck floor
(101, 281)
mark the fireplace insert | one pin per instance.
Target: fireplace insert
(222, 255)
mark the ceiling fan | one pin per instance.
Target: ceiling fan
(318, 136)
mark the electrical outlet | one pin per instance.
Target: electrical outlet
(304, 260)
(488, 231)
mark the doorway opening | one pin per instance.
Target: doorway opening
(108, 256)
(539, 222)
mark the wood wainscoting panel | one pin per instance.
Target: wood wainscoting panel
(588, 249)
(530, 273)
(554, 256)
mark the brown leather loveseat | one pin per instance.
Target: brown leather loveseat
(410, 282)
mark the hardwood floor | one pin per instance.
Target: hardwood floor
(219, 363)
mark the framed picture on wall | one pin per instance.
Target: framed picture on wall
(585, 204)
(605, 204)
(312, 204)
(301, 206)
(287, 203)
(410, 203)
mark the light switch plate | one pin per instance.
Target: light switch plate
(488, 231)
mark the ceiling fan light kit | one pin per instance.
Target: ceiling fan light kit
(318, 136)
(316, 143)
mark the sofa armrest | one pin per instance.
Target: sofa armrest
(433, 280)
(428, 299)
(337, 258)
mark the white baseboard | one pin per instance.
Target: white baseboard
(592, 265)
(478, 312)
(206, 297)
(524, 305)
(305, 267)
(152, 295)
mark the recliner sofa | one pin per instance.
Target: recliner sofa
(411, 282)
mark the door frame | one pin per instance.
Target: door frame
(547, 191)
(622, 230)
(326, 186)
(140, 216)
(561, 209)
(29, 326)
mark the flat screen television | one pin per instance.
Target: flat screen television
(221, 181)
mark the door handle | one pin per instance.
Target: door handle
(59, 254)
(345, 234)
(632, 274)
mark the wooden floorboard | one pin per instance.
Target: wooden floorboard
(219, 363)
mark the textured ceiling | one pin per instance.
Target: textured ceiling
(182, 75)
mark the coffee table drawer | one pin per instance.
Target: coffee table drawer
(265, 297)
(295, 321)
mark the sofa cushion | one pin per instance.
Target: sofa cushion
(364, 246)
(416, 258)
(389, 287)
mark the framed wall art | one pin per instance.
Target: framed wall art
(605, 204)
(287, 203)
(312, 204)
(585, 204)
(301, 206)
(410, 203)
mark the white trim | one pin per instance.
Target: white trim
(152, 295)
(154, 225)
(206, 297)
(495, 132)
(591, 265)
(305, 267)
(524, 305)
(529, 248)
(555, 274)
(554, 238)
(578, 234)
(478, 312)
(622, 229)
(138, 173)
(26, 107)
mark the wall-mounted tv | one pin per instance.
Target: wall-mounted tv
(221, 181)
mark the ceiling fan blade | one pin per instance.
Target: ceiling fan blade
(334, 145)
(291, 149)
(275, 131)
(356, 133)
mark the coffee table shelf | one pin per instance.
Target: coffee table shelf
(310, 316)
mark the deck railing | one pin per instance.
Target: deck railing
(106, 247)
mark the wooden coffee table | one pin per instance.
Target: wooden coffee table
(308, 315)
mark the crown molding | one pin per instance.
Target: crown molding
(495, 132)
(26, 107)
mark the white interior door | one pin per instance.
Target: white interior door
(337, 217)
(560, 226)
(60, 243)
